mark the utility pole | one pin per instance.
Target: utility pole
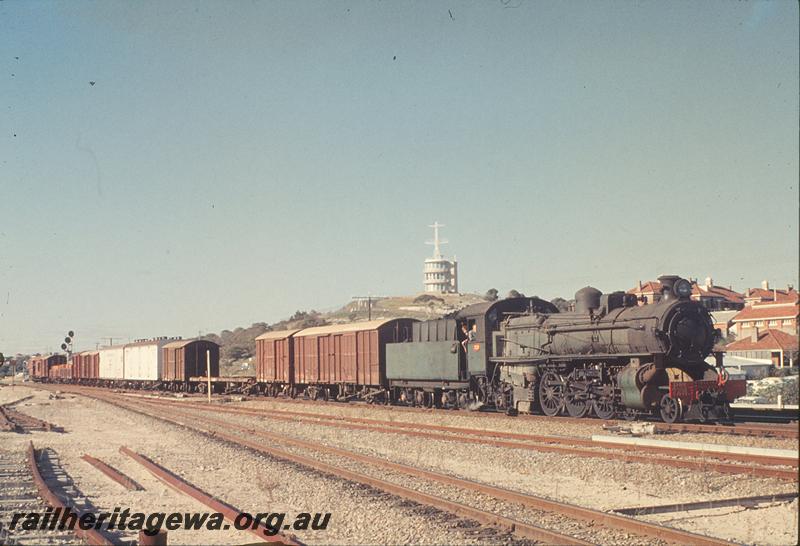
(369, 300)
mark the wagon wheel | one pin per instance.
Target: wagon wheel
(551, 393)
(445, 400)
(419, 398)
(429, 399)
(463, 401)
(326, 394)
(671, 409)
(604, 409)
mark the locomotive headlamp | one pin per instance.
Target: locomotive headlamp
(683, 288)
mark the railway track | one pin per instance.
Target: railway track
(741, 429)
(244, 437)
(743, 426)
(19, 494)
(12, 420)
(24, 489)
(757, 465)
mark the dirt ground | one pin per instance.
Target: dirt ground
(258, 484)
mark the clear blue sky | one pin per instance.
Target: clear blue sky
(237, 161)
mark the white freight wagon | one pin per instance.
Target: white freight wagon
(144, 359)
(112, 362)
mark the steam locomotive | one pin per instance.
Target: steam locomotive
(612, 357)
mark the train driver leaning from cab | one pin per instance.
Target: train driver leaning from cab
(469, 335)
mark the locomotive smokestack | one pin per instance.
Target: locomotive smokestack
(667, 283)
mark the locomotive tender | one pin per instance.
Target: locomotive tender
(608, 357)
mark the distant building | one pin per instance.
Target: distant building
(647, 292)
(769, 346)
(711, 296)
(439, 274)
(714, 297)
(767, 294)
(767, 316)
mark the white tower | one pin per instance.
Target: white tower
(440, 274)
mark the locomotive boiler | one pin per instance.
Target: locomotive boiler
(612, 356)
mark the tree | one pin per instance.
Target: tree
(491, 295)
(236, 352)
(514, 294)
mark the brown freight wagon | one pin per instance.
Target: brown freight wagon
(187, 358)
(77, 365)
(91, 363)
(86, 365)
(274, 359)
(60, 371)
(39, 366)
(346, 360)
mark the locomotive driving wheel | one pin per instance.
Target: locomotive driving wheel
(576, 406)
(671, 409)
(604, 409)
(551, 393)
(576, 402)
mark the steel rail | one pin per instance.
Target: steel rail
(229, 512)
(610, 520)
(749, 430)
(112, 473)
(6, 424)
(92, 536)
(617, 455)
(706, 505)
(562, 440)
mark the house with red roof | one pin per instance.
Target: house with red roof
(781, 316)
(766, 294)
(647, 292)
(716, 298)
(774, 346)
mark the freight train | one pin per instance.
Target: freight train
(608, 357)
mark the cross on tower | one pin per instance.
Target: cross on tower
(437, 253)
